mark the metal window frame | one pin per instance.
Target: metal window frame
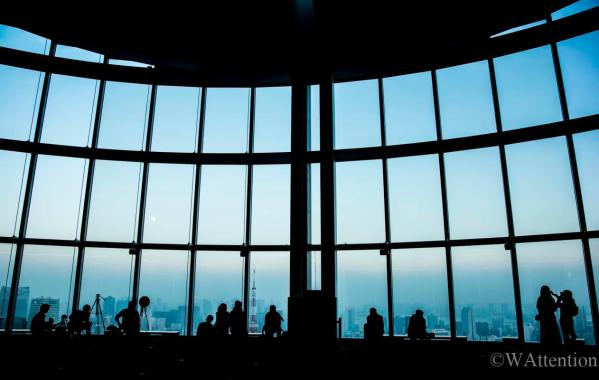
(299, 157)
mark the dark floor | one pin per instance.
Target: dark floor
(176, 357)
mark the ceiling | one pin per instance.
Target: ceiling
(280, 40)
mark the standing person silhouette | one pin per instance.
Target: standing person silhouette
(237, 321)
(546, 307)
(131, 322)
(374, 327)
(221, 326)
(568, 310)
(272, 323)
(79, 321)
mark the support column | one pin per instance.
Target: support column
(300, 119)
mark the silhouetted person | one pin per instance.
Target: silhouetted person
(417, 326)
(221, 326)
(39, 326)
(546, 307)
(272, 323)
(206, 328)
(568, 310)
(237, 321)
(60, 328)
(374, 327)
(131, 323)
(79, 321)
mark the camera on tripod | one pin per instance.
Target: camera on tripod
(99, 314)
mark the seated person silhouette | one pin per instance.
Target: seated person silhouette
(417, 326)
(374, 326)
(39, 326)
(568, 310)
(206, 328)
(113, 331)
(272, 323)
(60, 328)
(237, 321)
(79, 321)
(131, 323)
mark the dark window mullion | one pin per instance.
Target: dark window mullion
(451, 299)
(18, 261)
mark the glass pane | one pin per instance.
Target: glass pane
(7, 252)
(360, 213)
(70, 111)
(579, 59)
(361, 285)
(273, 120)
(559, 265)
(219, 279)
(124, 116)
(271, 204)
(170, 196)
(15, 38)
(106, 272)
(114, 201)
(415, 205)
(420, 282)
(519, 28)
(46, 277)
(121, 62)
(19, 98)
(314, 270)
(594, 245)
(357, 114)
(163, 279)
(222, 205)
(315, 117)
(527, 88)
(269, 285)
(541, 187)
(576, 7)
(465, 100)
(484, 292)
(587, 157)
(409, 109)
(176, 119)
(475, 194)
(13, 168)
(226, 120)
(56, 205)
(71, 52)
(314, 188)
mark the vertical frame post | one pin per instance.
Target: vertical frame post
(18, 261)
(451, 299)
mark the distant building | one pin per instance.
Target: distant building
(22, 301)
(467, 323)
(54, 312)
(109, 307)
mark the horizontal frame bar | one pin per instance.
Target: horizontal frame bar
(543, 131)
(311, 247)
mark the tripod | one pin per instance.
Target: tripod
(99, 315)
